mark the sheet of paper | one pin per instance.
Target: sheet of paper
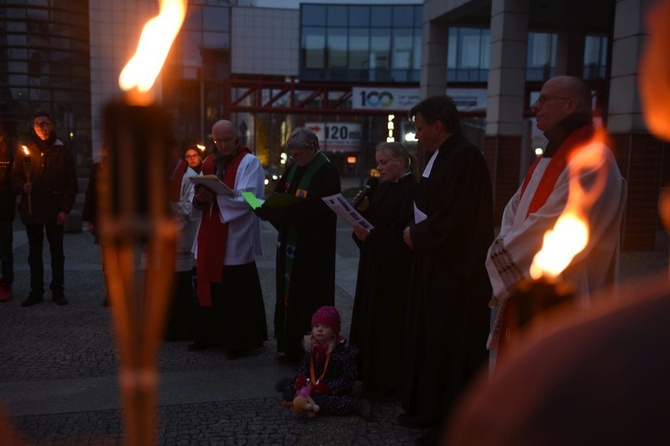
(418, 215)
(338, 204)
(213, 183)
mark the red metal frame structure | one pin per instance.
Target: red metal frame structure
(294, 97)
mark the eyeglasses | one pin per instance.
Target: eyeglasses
(42, 124)
(543, 98)
(188, 157)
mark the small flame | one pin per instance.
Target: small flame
(25, 150)
(155, 41)
(201, 147)
(571, 231)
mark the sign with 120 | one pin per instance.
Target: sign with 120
(337, 136)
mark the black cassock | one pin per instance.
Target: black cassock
(312, 283)
(378, 321)
(447, 312)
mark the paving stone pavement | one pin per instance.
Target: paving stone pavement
(58, 366)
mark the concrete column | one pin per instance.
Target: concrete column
(434, 45)
(639, 154)
(505, 105)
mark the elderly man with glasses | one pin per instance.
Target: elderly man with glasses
(46, 179)
(563, 112)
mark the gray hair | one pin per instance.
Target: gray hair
(303, 138)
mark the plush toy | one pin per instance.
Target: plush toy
(303, 405)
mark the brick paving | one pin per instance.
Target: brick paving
(58, 368)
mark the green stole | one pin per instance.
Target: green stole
(292, 235)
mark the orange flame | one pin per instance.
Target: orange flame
(156, 39)
(25, 150)
(571, 231)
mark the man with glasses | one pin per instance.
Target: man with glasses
(563, 112)
(47, 196)
(230, 310)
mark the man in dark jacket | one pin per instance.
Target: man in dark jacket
(44, 175)
(7, 207)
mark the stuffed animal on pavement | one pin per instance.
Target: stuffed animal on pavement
(303, 405)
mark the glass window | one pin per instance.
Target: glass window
(401, 57)
(359, 16)
(403, 15)
(380, 16)
(541, 58)
(216, 19)
(313, 15)
(359, 49)
(314, 47)
(418, 16)
(337, 47)
(595, 57)
(416, 53)
(337, 16)
(380, 46)
(468, 48)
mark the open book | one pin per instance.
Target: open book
(212, 183)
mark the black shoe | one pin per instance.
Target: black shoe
(60, 299)
(33, 298)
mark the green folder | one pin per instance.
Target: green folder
(274, 201)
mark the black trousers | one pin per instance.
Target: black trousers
(6, 251)
(54, 234)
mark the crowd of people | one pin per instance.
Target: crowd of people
(434, 280)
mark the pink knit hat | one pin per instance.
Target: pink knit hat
(328, 316)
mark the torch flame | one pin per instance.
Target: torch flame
(155, 41)
(25, 150)
(571, 231)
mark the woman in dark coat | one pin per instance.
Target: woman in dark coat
(378, 321)
(306, 242)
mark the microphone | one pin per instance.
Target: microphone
(368, 190)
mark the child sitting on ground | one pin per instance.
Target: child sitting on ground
(329, 366)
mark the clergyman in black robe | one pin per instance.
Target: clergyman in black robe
(447, 313)
(305, 270)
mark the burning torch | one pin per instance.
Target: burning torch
(26, 168)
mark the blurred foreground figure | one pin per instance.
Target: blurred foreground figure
(600, 380)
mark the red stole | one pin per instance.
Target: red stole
(213, 233)
(555, 167)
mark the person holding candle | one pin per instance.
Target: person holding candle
(306, 241)
(46, 201)
(7, 211)
(384, 271)
(230, 310)
(563, 112)
(447, 313)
